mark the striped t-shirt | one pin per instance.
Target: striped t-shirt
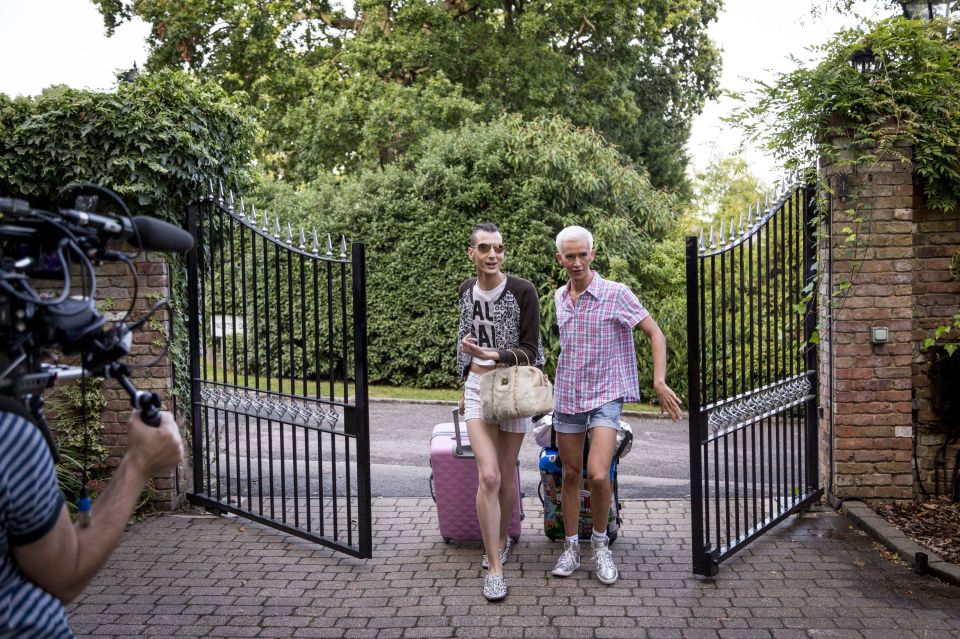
(30, 503)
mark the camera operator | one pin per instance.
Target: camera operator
(48, 560)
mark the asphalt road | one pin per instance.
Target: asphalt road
(656, 467)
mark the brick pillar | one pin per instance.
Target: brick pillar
(936, 296)
(871, 410)
(115, 289)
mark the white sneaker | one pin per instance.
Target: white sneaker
(603, 562)
(569, 560)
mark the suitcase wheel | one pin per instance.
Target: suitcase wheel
(447, 540)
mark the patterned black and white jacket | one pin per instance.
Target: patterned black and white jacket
(517, 316)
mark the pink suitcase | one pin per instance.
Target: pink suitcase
(453, 485)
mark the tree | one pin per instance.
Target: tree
(532, 178)
(341, 89)
(909, 99)
(725, 191)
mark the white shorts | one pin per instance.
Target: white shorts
(473, 410)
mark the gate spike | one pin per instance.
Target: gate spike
(220, 197)
(329, 246)
(722, 240)
(266, 222)
(343, 247)
(713, 243)
(210, 191)
(253, 215)
(243, 212)
(316, 244)
(230, 199)
(733, 234)
(289, 234)
(741, 233)
(276, 227)
(303, 239)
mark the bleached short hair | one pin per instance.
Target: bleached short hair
(574, 233)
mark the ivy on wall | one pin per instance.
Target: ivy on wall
(157, 141)
(901, 102)
(908, 96)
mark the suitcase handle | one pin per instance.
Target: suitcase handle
(460, 450)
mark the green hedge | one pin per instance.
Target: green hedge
(156, 141)
(531, 178)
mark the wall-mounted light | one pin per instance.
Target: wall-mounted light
(879, 335)
(920, 10)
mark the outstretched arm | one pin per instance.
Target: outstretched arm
(63, 561)
(667, 399)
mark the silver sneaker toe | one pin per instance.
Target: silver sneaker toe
(603, 562)
(569, 560)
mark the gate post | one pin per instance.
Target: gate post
(193, 311)
(702, 561)
(365, 516)
(811, 359)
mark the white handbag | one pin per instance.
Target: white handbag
(511, 392)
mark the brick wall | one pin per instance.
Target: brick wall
(115, 289)
(936, 300)
(898, 280)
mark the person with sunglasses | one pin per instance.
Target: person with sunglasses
(499, 324)
(596, 374)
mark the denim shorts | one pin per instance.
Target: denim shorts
(472, 408)
(605, 416)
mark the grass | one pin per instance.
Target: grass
(378, 391)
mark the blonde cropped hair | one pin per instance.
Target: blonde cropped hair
(574, 233)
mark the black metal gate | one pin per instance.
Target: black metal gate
(752, 358)
(278, 335)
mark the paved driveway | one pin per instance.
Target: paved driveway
(812, 577)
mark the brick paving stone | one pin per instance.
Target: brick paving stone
(811, 576)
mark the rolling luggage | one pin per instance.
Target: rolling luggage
(453, 485)
(550, 484)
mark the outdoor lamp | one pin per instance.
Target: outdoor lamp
(132, 74)
(918, 10)
(863, 61)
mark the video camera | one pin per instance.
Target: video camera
(63, 246)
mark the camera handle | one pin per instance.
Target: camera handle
(147, 402)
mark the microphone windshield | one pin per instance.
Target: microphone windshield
(157, 235)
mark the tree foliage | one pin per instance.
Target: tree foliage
(531, 178)
(725, 191)
(910, 99)
(344, 89)
(156, 141)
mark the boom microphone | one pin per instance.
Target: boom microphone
(154, 234)
(157, 235)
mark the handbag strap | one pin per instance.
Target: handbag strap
(525, 356)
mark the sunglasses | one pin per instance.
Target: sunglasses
(484, 248)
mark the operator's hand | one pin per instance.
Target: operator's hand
(154, 451)
(668, 400)
(461, 405)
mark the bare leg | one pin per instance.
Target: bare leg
(484, 440)
(509, 449)
(603, 443)
(571, 454)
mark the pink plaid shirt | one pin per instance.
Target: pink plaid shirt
(598, 362)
